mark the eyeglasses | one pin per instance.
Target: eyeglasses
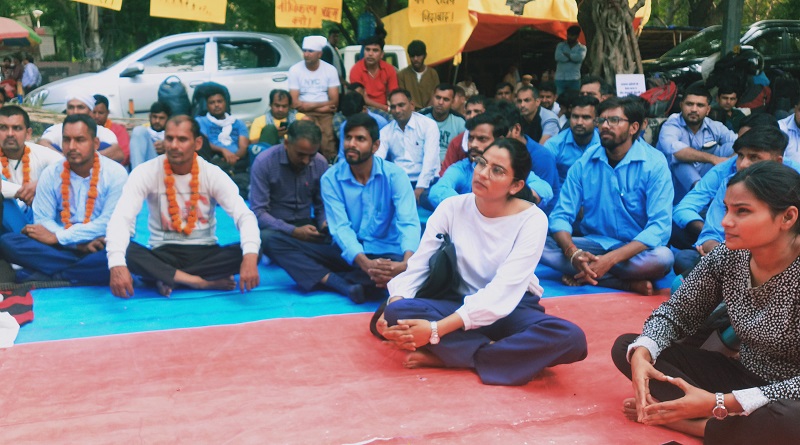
(495, 172)
(612, 121)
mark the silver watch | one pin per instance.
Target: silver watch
(434, 340)
(719, 411)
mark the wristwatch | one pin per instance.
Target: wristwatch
(434, 340)
(719, 411)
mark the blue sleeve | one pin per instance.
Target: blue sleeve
(541, 187)
(338, 221)
(699, 197)
(45, 202)
(712, 230)
(569, 202)
(660, 194)
(405, 211)
(451, 184)
(560, 56)
(241, 130)
(669, 140)
(550, 127)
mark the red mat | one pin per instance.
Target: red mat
(322, 380)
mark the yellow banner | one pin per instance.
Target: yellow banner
(212, 11)
(116, 5)
(437, 12)
(306, 13)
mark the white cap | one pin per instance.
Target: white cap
(88, 99)
(314, 43)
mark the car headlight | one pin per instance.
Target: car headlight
(36, 98)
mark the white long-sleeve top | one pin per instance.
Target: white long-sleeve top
(146, 182)
(496, 258)
(40, 158)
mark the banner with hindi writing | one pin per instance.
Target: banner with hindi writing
(437, 12)
(212, 11)
(116, 5)
(306, 13)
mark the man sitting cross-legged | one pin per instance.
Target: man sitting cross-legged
(73, 203)
(625, 191)
(22, 163)
(182, 191)
(371, 213)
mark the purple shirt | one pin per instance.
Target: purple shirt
(280, 196)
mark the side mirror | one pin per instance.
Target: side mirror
(132, 70)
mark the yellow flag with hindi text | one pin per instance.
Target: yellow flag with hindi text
(212, 11)
(116, 5)
(437, 12)
(306, 13)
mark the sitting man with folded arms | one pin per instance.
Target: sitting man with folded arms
(73, 203)
(22, 163)
(483, 130)
(83, 104)
(371, 213)
(625, 192)
(147, 142)
(182, 191)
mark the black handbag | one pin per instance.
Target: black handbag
(442, 282)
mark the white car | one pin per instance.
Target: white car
(249, 64)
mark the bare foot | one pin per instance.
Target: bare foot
(422, 359)
(569, 281)
(629, 409)
(196, 282)
(641, 287)
(163, 289)
(220, 284)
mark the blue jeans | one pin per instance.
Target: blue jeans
(651, 264)
(56, 261)
(564, 85)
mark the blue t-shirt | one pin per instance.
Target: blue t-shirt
(212, 131)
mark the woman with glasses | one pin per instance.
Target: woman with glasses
(754, 398)
(493, 323)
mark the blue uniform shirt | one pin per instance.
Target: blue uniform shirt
(544, 165)
(629, 202)
(567, 151)
(377, 217)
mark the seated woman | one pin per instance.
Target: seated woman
(495, 323)
(755, 273)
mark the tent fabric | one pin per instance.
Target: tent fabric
(490, 22)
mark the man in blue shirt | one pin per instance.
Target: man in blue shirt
(69, 243)
(353, 103)
(625, 192)
(791, 126)
(544, 162)
(450, 124)
(371, 212)
(761, 143)
(692, 143)
(581, 136)
(484, 129)
(228, 138)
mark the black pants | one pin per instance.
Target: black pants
(776, 423)
(160, 264)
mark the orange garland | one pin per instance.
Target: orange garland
(26, 165)
(91, 195)
(174, 210)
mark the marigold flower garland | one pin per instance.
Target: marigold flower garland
(90, 198)
(26, 165)
(174, 210)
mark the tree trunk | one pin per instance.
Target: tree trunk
(613, 46)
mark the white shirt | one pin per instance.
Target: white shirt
(146, 182)
(789, 126)
(54, 135)
(313, 85)
(40, 158)
(414, 149)
(496, 272)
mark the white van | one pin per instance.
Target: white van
(392, 54)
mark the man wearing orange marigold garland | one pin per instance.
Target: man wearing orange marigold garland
(22, 163)
(182, 191)
(73, 203)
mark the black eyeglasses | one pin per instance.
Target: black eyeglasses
(613, 120)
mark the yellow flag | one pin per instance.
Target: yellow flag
(116, 5)
(306, 13)
(437, 12)
(212, 11)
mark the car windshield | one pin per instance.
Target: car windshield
(702, 44)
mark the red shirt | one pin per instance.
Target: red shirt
(454, 152)
(123, 138)
(376, 87)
